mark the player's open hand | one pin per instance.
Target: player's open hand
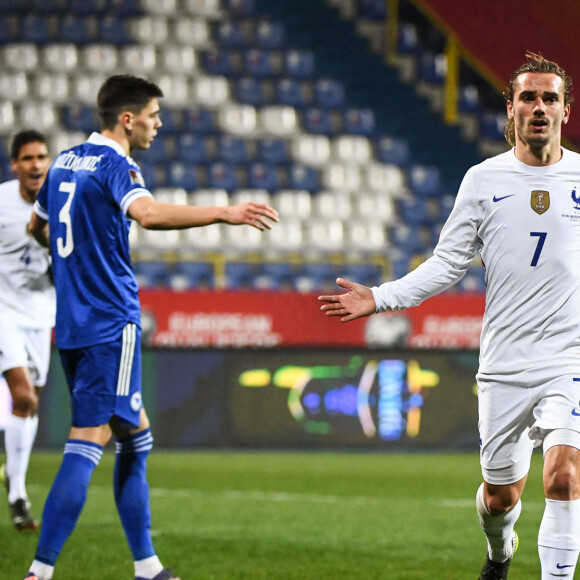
(357, 302)
(257, 215)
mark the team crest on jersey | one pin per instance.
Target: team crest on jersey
(136, 177)
(540, 201)
(576, 198)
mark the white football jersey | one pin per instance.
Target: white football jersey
(525, 221)
(26, 291)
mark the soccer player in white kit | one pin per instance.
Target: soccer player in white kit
(521, 211)
(27, 310)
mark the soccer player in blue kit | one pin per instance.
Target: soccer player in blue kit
(83, 213)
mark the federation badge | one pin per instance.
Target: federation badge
(576, 198)
(540, 201)
(136, 177)
(136, 402)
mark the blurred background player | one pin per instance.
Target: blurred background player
(84, 211)
(27, 309)
(520, 210)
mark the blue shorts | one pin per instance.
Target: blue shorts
(104, 380)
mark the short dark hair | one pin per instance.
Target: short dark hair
(124, 92)
(23, 138)
(536, 63)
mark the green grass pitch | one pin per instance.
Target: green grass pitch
(287, 515)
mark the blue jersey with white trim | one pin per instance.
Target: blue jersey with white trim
(85, 198)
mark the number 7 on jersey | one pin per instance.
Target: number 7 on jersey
(541, 239)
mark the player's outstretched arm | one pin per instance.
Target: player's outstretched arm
(168, 216)
(357, 302)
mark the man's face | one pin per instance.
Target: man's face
(538, 108)
(30, 167)
(144, 126)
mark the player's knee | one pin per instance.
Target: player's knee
(502, 501)
(24, 402)
(562, 483)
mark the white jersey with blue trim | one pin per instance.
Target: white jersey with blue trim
(85, 198)
(525, 221)
(26, 289)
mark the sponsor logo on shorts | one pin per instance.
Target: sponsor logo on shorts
(136, 401)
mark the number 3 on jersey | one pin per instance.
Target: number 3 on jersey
(66, 247)
(541, 239)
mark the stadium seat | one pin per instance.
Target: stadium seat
(41, 115)
(329, 94)
(124, 8)
(302, 176)
(319, 121)
(99, 57)
(359, 122)
(293, 203)
(175, 195)
(274, 151)
(79, 30)
(374, 205)
(278, 120)
(276, 276)
(384, 177)
(151, 275)
(116, 31)
(217, 61)
(9, 30)
(22, 56)
(367, 274)
(36, 28)
(262, 63)
(198, 120)
(177, 59)
(474, 280)
(424, 180)
(193, 149)
(263, 176)
(87, 6)
(194, 32)
(182, 175)
(292, 92)
(60, 57)
(393, 150)
(206, 9)
(148, 30)
(14, 85)
(209, 198)
(241, 275)
(270, 34)
(432, 68)
(238, 119)
(240, 8)
(47, 7)
(162, 150)
(222, 176)
(311, 149)
(7, 117)
(79, 118)
(192, 276)
(372, 9)
(366, 236)
(252, 91)
(332, 205)
(208, 238)
(320, 275)
(342, 177)
(85, 86)
(413, 210)
(234, 150)
(352, 148)
(286, 236)
(299, 64)
(210, 91)
(491, 126)
(159, 7)
(233, 34)
(175, 89)
(141, 59)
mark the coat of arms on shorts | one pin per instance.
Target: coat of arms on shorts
(540, 201)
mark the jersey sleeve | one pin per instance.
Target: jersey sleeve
(126, 183)
(40, 206)
(450, 261)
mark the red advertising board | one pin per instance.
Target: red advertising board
(270, 319)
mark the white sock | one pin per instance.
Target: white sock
(148, 567)
(498, 529)
(559, 539)
(19, 439)
(43, 571)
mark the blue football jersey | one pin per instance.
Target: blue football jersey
(85, 199)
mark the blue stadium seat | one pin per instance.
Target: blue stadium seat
(172, 120)
(45, 7)
(88, 6)
(181, 174)
(154, 176)
(270, 34)
(359, 122)
(263, 176)
(367, 274)
(318, 121)
(303, 177)
(321, 275)
(233, 150)
(151, 275)
(240, 8)
(329, 94)
(425, 180)
(413, 211)
(230, 34)
(76, 30)
(491, 125)
(432, 68)
(9, 31)
(241, 275)
(280, 276)
(300, 64)
(125, 7)
(192, 276)
(218, 62)
(273, 151)
(260, 63)
(292, 92)
(408, 39)
(223, 176)
(35, 28)
(80, 118)
(115, 30)
(372, 9)
(393, 150)
(406, 239)
(162, 150)
(192, 148)
(198, 120)
(468, 100)
(12, 7)
(251, 91)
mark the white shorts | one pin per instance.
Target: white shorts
(515, 419)
(24, 347)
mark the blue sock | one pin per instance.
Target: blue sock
(67, 497)
(132, 492)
